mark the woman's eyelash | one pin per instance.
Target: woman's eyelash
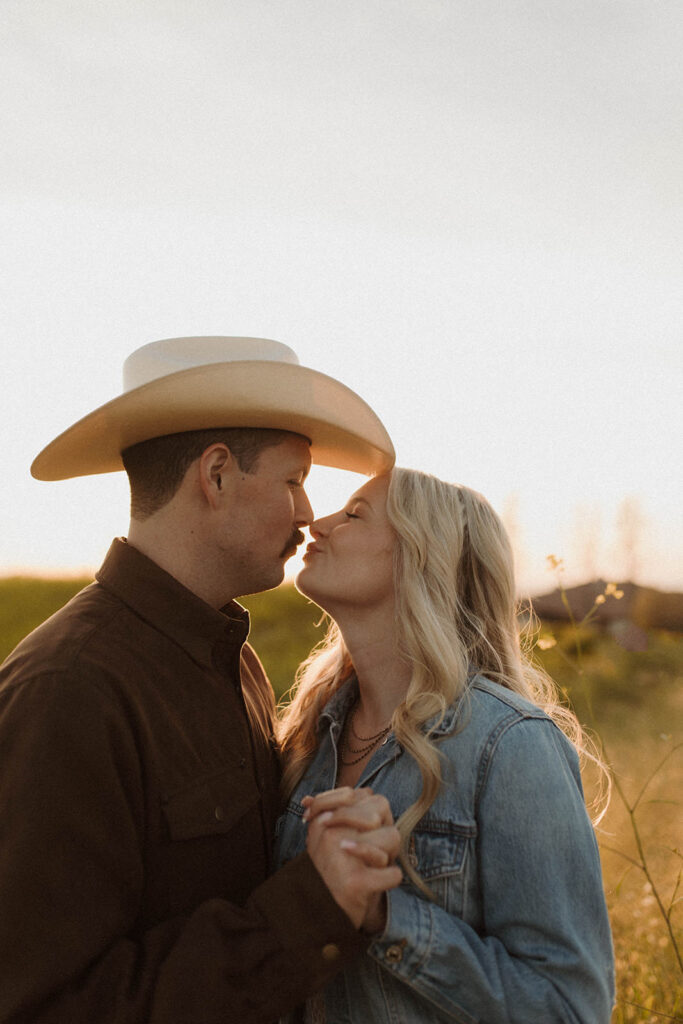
(351, 515)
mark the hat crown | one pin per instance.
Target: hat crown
(170, 355)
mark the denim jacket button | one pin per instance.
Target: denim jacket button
(394, 954)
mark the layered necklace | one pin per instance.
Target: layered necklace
(368, 743)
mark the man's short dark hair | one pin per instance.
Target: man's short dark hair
(156, 468)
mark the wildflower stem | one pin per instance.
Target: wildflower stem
(640, 861)
(652, 775)
(620, 853)
(577, 638)
(656, 1013)
(644, 866)
(675, 892)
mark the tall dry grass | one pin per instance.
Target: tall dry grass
(632, 700)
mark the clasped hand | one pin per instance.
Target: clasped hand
(353, 842)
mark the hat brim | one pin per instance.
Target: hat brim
(343, 430)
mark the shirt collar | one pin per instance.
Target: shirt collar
(166, 604)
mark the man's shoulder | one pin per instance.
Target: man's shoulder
(57, 644)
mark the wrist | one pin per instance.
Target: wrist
(375, 920)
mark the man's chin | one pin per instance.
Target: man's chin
(268, 581)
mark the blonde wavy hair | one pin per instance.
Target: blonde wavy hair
(456, 610)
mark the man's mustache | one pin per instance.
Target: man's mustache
(292, 544)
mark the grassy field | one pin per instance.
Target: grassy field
(633, 701)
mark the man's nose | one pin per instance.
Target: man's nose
(302, 509)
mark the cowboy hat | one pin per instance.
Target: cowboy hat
(181, 384)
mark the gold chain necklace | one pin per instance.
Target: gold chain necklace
(345, 746)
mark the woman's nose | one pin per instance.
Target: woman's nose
(321, 527)
(314, 530)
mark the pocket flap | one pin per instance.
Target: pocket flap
(210, 805)
(438, 848)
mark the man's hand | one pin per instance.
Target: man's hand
(353, 843)
(345, 803)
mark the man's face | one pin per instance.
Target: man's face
(268, 509)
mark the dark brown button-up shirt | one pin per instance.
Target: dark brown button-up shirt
(137, 807)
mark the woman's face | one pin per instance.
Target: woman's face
(350, 562)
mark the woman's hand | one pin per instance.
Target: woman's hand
(357, 808)
(356, 825)
(376, 842)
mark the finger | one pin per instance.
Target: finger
(381, 879)
(345, 791)
(333, 798)
(387, 839)
(371, 855)
(371, 813)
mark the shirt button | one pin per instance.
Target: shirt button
(394, 954)
(330, 952)
(219, 814)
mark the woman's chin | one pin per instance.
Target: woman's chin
(305, 584)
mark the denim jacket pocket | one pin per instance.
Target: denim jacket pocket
(439, 850)
(210, 805)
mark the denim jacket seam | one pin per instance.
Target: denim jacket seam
(488, 752)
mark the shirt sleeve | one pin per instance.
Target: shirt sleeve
(71, 875)
(544, 952)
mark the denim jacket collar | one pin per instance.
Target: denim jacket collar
(338, 706)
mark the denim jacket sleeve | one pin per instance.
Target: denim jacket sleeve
(544, 952)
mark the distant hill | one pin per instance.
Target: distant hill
(644, 607)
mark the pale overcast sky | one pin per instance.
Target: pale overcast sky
(469, 212)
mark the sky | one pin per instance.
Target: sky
(469, 212)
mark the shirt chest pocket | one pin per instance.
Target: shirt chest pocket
(211, 804)
(441, 851)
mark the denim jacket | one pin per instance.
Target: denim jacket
(518, 931)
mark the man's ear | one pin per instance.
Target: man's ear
(215, 466)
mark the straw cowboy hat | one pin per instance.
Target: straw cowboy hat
(195, 383)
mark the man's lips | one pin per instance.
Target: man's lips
(294, 541)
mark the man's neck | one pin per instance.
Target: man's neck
(174, 549)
